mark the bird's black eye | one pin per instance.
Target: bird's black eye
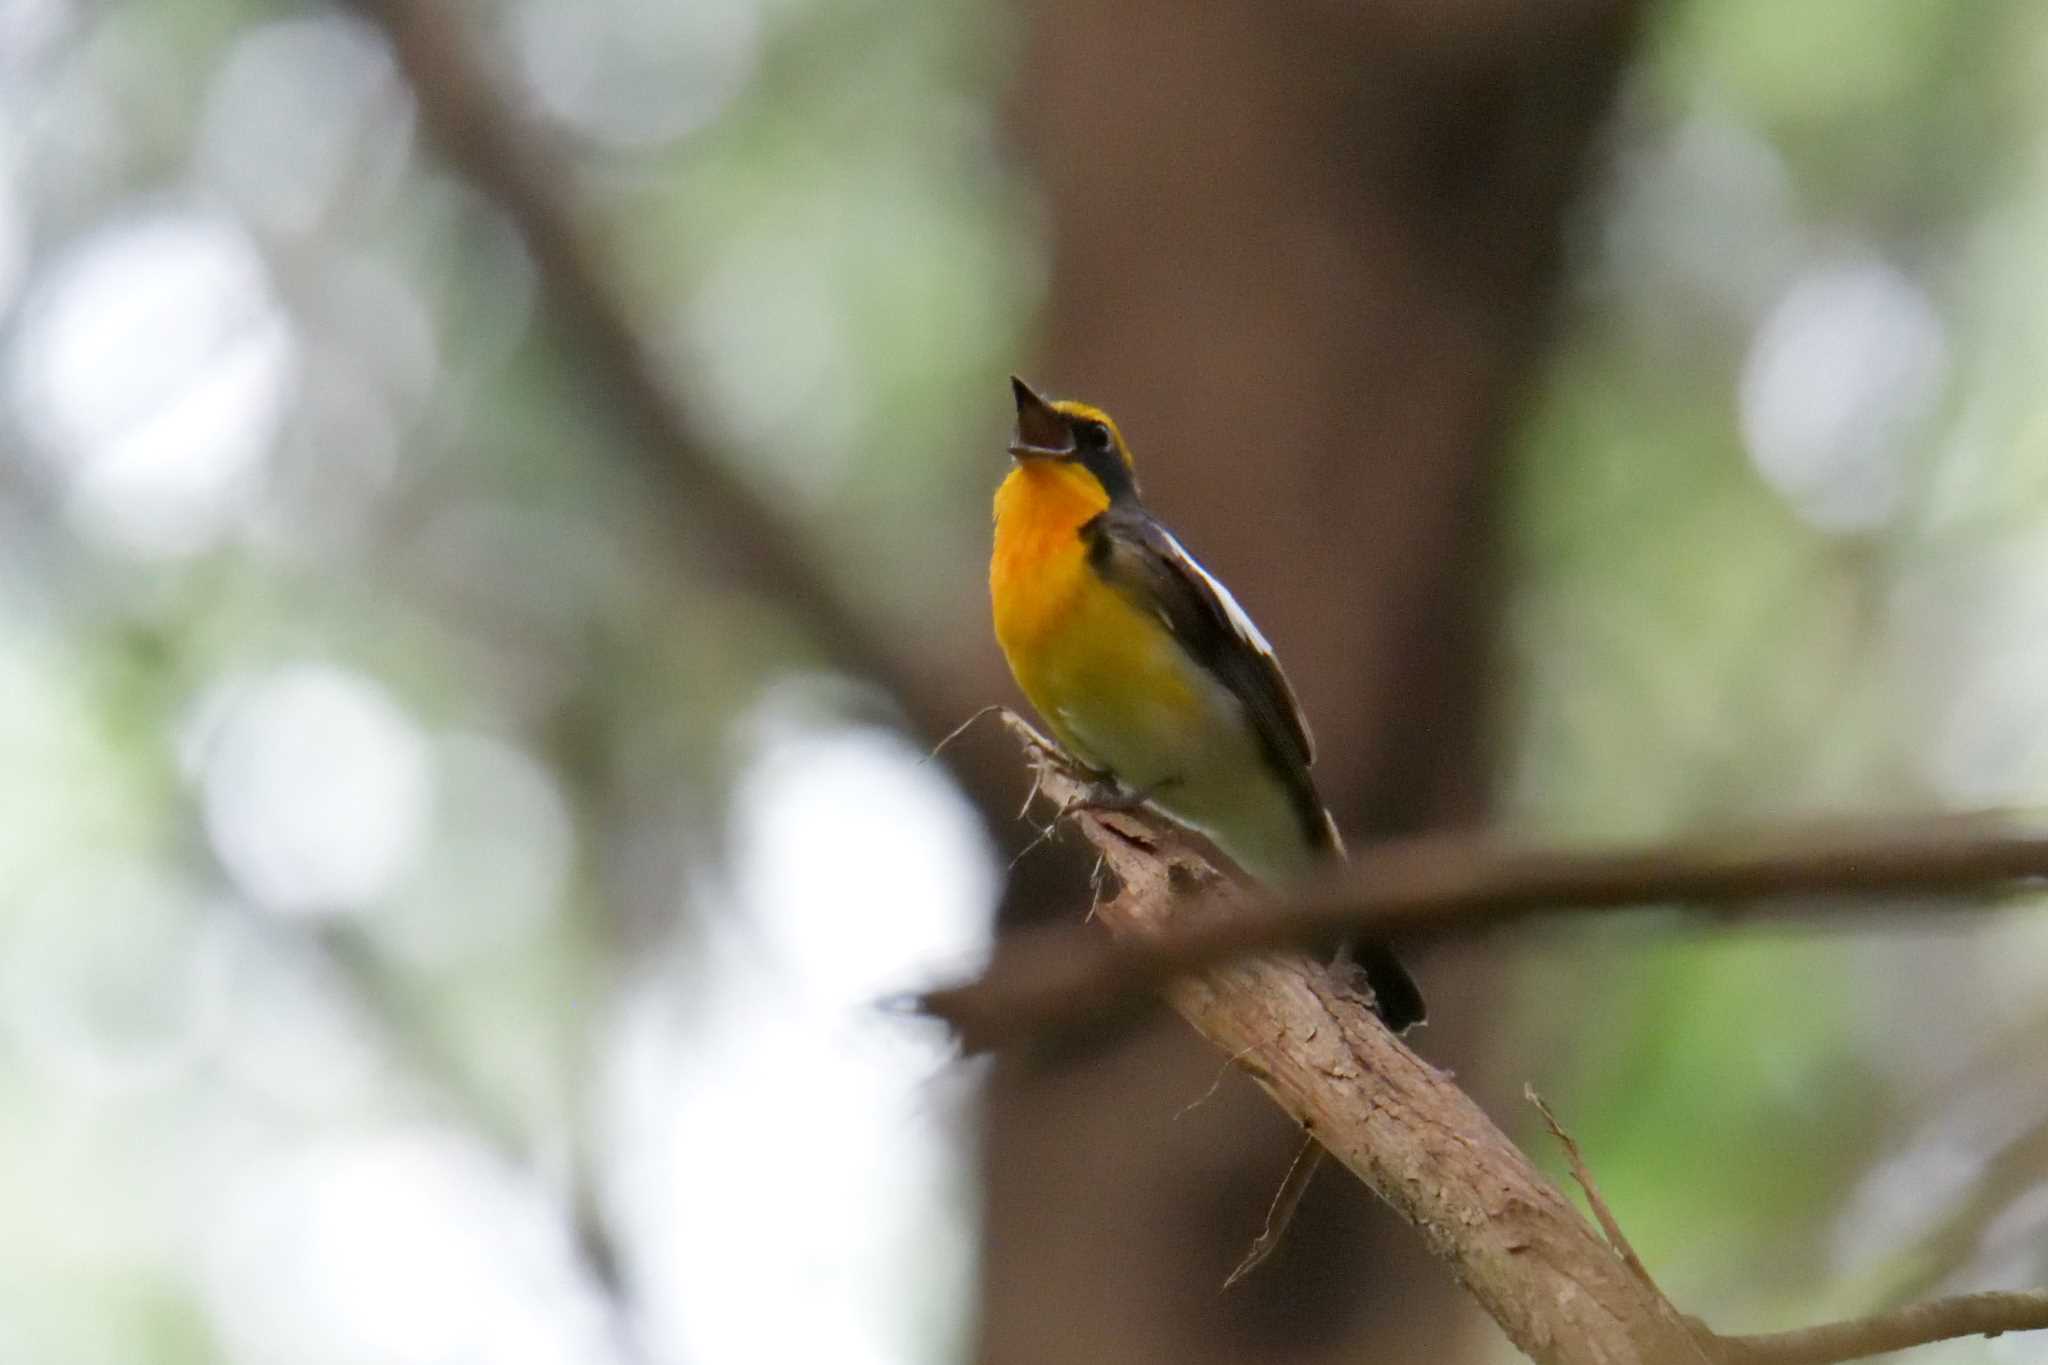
(1091, 436)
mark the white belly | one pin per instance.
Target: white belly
(1209, 772)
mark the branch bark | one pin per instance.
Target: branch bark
(1559, 1290)
(1061, 976)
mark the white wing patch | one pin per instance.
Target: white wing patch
(1249, 635)
(1239, 622)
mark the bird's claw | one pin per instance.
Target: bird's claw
(1105, 795)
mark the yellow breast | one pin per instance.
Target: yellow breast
(1117, 690)
(1039, 579)
(1100, 672)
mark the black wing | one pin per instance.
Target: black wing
(1139, 556)
(1135, 553)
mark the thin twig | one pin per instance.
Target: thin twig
(1609, 1224)
(1301, 1173)
(1221, 1072)
(993, 708)
(1965, 1315)
(1045, 835)
(1916, 1325)
(1097, 885)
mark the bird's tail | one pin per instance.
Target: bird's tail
(1396, 998)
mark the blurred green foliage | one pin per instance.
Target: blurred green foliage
(1703, 647)
(1719, 618)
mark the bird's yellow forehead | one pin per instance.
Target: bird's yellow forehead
(1087, 412)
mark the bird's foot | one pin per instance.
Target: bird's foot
(1107, 795)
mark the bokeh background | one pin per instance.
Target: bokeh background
(451, 901)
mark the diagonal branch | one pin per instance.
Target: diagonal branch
(503, 156)
(1431, 888)
(1540, 1270)
(1560, 1292)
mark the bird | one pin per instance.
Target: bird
(1147, 671)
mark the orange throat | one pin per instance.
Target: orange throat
(1039, 557)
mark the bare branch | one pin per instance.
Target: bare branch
(1431, 888)
(1965, 1315)
(503, 156)
(1559, 1292)
(1562, 1294)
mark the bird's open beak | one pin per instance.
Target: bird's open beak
(1042, 433)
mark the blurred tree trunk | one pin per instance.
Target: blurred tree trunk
(1305, 253)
